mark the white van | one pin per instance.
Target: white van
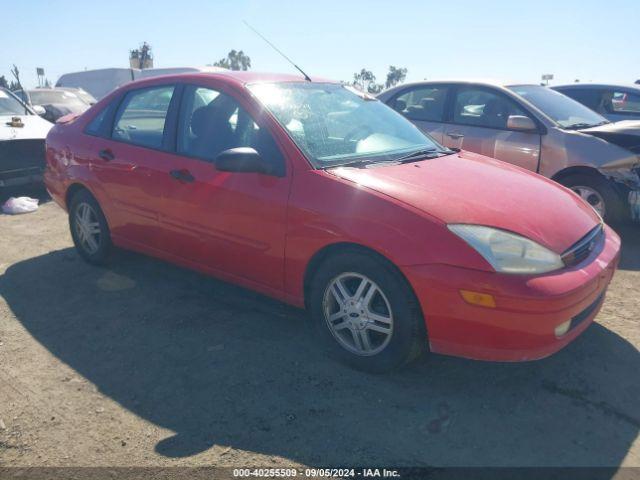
(102, 81)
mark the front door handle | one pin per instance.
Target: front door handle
(106, 154)
(182, 175)
(455, 135)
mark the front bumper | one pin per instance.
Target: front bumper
(21, 161)
(528, 309)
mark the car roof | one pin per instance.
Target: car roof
(489, 82)
(238, 77)
(579, 86)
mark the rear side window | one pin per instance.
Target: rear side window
(141, 116)
(422, 103)
(622, 102)
(484, 108)
(587, 97)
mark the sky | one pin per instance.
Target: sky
(516, 41)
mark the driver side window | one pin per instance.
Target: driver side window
(483, 108)
(211, 122)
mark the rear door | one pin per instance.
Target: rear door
(478, 123)
(425, 106)
(132, 165)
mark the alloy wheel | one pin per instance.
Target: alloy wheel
(87, 228)
(358, 314)
(592, 197)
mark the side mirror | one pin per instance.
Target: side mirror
(521, 123)
(241, 159)
(39, 109)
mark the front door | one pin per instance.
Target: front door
(231, 222)
(479, 124)
(425, 107)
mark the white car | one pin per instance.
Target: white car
(22, 135)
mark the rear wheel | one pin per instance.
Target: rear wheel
(366, 313)
(89, 228)
(598, 192)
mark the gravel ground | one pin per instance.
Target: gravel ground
(146, 364)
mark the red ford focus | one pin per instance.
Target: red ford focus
(327, 199)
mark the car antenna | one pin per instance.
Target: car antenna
(306, 77)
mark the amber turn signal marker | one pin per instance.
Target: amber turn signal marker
(477, 298)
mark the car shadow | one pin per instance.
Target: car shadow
(217, 364)
(630, 235)
(34, 191)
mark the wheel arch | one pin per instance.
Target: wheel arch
(72, 190)
(335, 248)
(574, 170)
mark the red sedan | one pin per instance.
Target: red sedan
(327, 199)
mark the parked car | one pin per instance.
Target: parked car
(535, 128)
(22, 134)
(101, 81)
(83, 94)
(614, 102)
(326, 199)
(55, 102)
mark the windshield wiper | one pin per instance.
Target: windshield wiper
(423, 153)
(580, 125)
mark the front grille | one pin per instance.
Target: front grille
(586, 313)
(583, 247)
(21, 154)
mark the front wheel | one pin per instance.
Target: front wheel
(89, 228)
(598, 192)
(366, 313)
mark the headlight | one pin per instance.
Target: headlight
(508, 252)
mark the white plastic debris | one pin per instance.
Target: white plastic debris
(16, 205)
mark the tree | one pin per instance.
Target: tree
(15, 85)
(3, 82)
(235, 60)
(366, 81)
(395, 76)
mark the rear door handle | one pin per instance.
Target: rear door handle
(455, 135)
(182, 175)
(106, 154)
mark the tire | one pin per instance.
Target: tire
(405, 338)
(615, 209)
(84, 206)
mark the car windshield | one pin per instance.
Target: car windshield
(336, 125)
(50, 97)
(10, 106)
(566, 112)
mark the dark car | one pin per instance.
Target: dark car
(614, 102)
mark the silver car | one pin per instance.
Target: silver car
(614, 102)
(535, 128)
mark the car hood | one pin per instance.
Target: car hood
(33, 127)
(473, 189)
(625, 134)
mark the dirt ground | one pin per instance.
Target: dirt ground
(146, 364)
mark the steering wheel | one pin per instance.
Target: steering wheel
(352, 134)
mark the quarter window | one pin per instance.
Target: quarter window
(141, 117)
(483, 108)
(422, 103)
